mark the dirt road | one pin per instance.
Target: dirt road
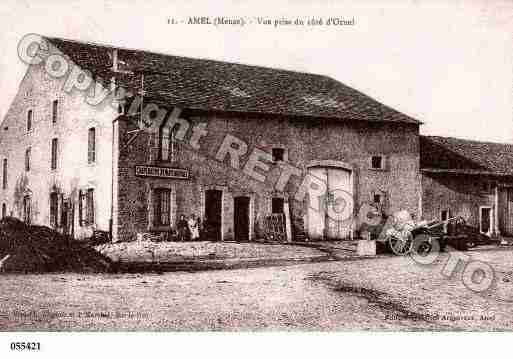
(389, 293)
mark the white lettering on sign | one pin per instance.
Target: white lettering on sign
(165, 172)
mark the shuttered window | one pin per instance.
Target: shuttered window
(91, 145)
(80, 208)
(26, 209)
(89, 206)
(167, 144)
(27, 159)
(54, 200)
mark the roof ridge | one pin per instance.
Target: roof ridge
(468, 140)
(186, 57)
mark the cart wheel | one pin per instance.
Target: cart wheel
(423, 245)
(401, 246)
(423, 248)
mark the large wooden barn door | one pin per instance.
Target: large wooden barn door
(331, 218)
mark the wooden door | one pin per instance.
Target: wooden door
(506, 211)
(213, 214)
(241, 218)
(485, 220)
(331, 218)
(316, 211)
(339, 206)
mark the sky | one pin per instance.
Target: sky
(448, 64)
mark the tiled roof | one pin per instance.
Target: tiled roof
(446, 154)
(221, 86)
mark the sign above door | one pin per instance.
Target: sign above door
(161, 172)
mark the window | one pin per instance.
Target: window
(486, 187)
(29, 120)
(4, 210)
(278, 154)
(377, 162)
(26, 209)
(444, 215)
(27, 159)
(55, 105)
(277, 205)
(162, 207)
(54, 153)
(4, 174)
(167, 144)
(89, 206)
(54, 204)
(80, 208)
(378, 199)
(86, 207)
(91, 145)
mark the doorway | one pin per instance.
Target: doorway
(65, 211)
(485, 220)
(213, 214)
(506, 211)
(277, 205)
(241, 218)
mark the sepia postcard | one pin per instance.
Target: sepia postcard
(242, 167)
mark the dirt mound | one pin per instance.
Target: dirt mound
(39, 249)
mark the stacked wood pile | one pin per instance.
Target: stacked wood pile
(274, 228)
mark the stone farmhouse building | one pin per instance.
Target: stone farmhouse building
(227, 142)
(470, 179)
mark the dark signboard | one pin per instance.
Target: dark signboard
(161, 172)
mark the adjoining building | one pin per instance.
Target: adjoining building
(470, 179)
(234, 143)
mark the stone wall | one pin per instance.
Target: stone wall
(462, 195)
(305, 140)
